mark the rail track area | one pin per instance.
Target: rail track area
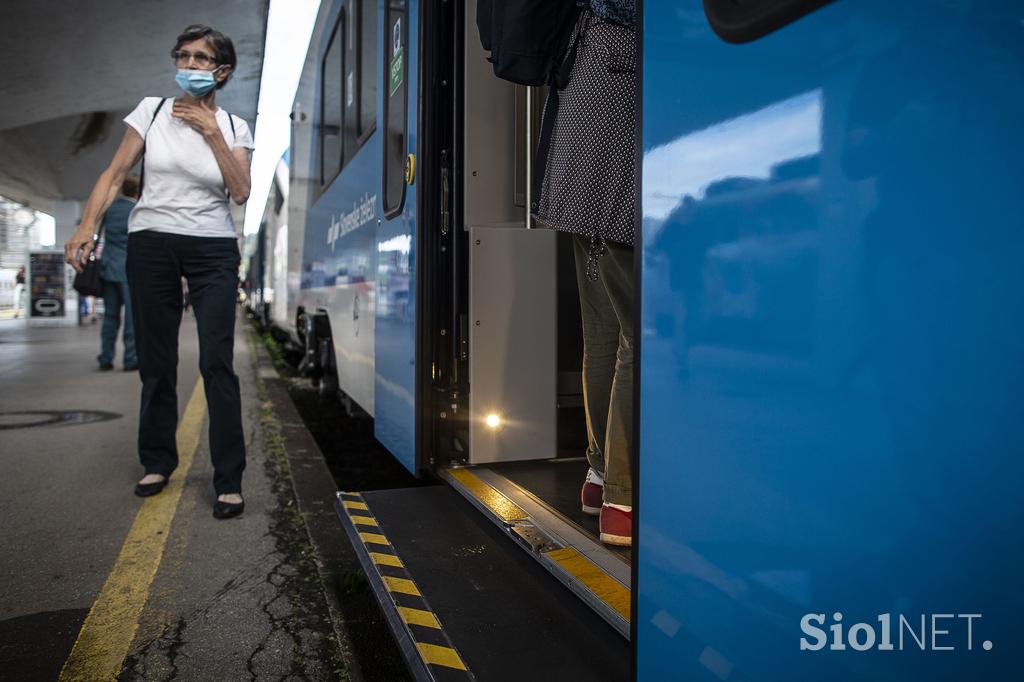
(461, 598)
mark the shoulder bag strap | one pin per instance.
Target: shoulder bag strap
(142, 173)
(234, 135)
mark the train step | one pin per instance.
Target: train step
(537, 503)
(463, 601)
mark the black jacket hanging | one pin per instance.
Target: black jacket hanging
(526, 38)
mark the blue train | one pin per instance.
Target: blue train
(829, 386)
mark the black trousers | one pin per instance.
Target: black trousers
(156, 263)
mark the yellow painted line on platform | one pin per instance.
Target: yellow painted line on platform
(401, 585)
(440, 655)
(606, 588)
(419, 617)
(386, 560)
(504, 508)
(363, 520)
(374, 539)
(348, 504)
(110, 626)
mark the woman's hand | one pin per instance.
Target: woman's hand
(78, 248)
(199, 118)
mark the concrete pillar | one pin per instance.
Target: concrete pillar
(66, 215)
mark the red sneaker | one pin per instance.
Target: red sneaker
(592, 495)
(616, 526)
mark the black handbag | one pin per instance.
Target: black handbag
(88, 282)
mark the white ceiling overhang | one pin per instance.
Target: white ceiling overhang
(71, 70)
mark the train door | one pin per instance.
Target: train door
(395, 313)
(830, 429)
(501, 341)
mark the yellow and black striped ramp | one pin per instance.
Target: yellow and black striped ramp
(420, 635)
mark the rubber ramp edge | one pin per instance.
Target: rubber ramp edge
(425, 645)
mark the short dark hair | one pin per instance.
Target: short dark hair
(223, 48)
(130, 186)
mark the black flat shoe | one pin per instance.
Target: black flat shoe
(106, 366)
(225, 510)
(149, 489)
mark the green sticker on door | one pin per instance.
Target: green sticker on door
(396, 59)
(396, 72)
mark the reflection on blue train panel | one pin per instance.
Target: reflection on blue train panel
(833, 308)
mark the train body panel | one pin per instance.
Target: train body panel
(272, 292)
(357, 263)
(831, 375)
(395, 246)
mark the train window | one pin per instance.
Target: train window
(367, 68)
(742, 21)
(396, 90)
(351, 84)
(331, 111)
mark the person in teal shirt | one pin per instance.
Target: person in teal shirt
(115, 279)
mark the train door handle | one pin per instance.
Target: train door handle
(410, 169)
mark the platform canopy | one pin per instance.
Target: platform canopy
(72, 70)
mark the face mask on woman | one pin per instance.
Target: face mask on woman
(196, 82)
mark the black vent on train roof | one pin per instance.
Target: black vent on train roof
(742, 21)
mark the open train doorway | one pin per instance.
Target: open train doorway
(502, 344)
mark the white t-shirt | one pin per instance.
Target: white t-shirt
(184, 191)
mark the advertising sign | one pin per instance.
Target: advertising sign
(47, 284)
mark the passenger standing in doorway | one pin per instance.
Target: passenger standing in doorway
(115, 279)
(196, 159)
(589, 188)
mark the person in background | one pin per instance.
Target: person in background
(87, 309)
(115, 279)
(19, 291)
(186, 304)
(196, 161)
(588, 188)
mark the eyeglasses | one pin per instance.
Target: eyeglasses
(201, 59)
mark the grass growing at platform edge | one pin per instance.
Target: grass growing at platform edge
(370, 640)
(304, 588)
(356, 459)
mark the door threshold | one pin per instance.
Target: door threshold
(595, 574)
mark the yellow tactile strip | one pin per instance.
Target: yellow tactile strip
(422, 625)
(604, 587)
(593, 577)
(504, 508)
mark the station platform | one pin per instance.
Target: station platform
(98, 583)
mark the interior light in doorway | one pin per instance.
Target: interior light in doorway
(495, 421)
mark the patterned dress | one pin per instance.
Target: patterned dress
(589, 174)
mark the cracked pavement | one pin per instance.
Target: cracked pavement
(238, 599)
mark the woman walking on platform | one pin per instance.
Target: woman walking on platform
(196, 159)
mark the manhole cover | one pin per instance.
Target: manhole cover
(33, 418)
